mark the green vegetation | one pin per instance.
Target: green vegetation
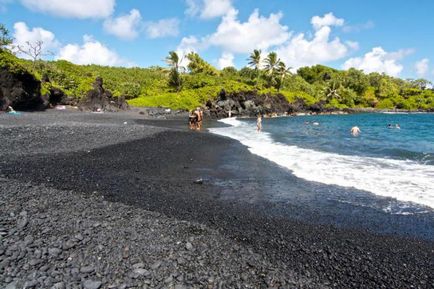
(5, 39)
(184, 88)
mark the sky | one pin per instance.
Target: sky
(392, 37)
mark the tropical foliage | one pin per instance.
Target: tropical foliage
(181, 87)
(5, 39)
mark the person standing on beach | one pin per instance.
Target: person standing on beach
(199, 114)
(355, 131)
(259, 123)
(192, 120)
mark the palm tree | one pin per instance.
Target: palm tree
(173, 60)
(271, 63)
(282, 71)
(255, 59)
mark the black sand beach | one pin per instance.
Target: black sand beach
(114, 199)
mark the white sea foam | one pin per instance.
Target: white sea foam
(403, 180)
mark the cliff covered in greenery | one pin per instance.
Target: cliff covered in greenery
(184, 88)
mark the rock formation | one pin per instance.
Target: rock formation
(21, 90)
(100, 99)
(246, 104)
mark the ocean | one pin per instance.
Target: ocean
(389, 162)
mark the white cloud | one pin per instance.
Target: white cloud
(162, 28)
(267, 33)
(125, 26)
(187, 45)
(258, 32)
(305, 51)
(378, 60)
(208, 9)
(226, 60)
(327, 20)
(422, 67)
(22, 35)
(72, 8)
(91, 52)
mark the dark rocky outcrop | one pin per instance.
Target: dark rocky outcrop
(100, 99)
(21, 90)
(247, 104)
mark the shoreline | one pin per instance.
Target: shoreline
(147, 173)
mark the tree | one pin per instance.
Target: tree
(421, 83)
(282, 71)
(271, 63)
(174, 62)
(35, 51)
(5, 40)
(198, 65)
(255, 59)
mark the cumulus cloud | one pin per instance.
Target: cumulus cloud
(91, 52)
(72, 8)
(226, 60)
(208, 9)
(187, 45)
(162, 28)
(327, 20)
(379, 60)
(302, 50)
(267, 33)
(258, 32)
(125, 26)
(23, 34)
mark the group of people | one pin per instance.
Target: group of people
(195, 119)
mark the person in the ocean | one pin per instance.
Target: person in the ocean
(397, 126)
(259, 123)
(355, 131)
(389, 125)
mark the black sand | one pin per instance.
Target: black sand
(155, 169)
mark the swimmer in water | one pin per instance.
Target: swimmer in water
(259, 123)
(397, 126)
(355, 131)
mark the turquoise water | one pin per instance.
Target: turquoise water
(388, 162)
(413, 141)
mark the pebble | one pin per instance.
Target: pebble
(156, 265)
(54, 252)
(90, 284)
(138, 265)
(87, 269)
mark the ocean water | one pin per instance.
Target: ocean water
(387, 162)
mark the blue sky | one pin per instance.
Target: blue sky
(395, 37)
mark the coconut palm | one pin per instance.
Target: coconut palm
(174, 61)
(271, 63)
(255, 59)
(282, 71)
